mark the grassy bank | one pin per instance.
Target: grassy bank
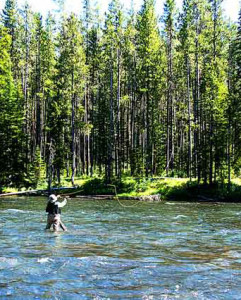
(167, 188)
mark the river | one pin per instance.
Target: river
(171, 250)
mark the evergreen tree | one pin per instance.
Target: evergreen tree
(112, 55)
(186, 107)
(70, 90)
(169, 21)
(10, 118)
(149, 67)
(214, 93)
(10, 18)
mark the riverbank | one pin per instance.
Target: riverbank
(162, 189)
(152, 189)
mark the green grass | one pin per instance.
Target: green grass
(6, 190)
(133, 187)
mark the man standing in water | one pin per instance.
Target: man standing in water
(54, 211)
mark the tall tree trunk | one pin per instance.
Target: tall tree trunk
(73, 133)
(118, 135)
(189, 122)
(111, 126)
(170, 109)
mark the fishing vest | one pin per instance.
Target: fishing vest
(53, 209)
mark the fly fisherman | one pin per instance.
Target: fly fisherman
(54, 211)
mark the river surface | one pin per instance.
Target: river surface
(150, 251)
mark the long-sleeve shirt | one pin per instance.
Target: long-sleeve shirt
(61, 204)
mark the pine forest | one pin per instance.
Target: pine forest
(124, 94)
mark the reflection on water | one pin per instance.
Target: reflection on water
(152, 251)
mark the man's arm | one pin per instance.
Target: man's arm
(62, 204)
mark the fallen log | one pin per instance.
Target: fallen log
(20, 193)
(36, 192)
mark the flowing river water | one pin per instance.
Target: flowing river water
(171, 250)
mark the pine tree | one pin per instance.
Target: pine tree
(214, 90)
(185, 104)
(10, 19)
(10, 117)
(93, 125)
(169, 21)
(149, 66)
(130, 81)
(112, 56)
(69, 98)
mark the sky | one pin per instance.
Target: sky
(231, 7)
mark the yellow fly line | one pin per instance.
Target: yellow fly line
(117, 198)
